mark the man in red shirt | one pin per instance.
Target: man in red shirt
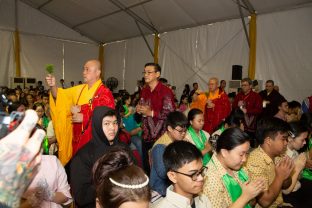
(156, 102)
(217, 106)
(250, 103)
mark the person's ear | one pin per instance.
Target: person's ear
(172, 176)
(224, 153)
(158, 73)
(268, 141)
(169, 128)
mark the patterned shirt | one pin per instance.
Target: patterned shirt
(260, 165)
(213, 185)
(161, 101)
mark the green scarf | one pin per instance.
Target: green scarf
(307, 173)
(126, 109)
(233, 187)
(200, 144)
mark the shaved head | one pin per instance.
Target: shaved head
(92, 71)
(95, 63)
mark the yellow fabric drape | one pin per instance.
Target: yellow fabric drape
(17, 54)
(61, 115)
(156, 48)
(101, 59)
(253, 46)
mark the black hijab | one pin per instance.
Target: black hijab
(98, 136)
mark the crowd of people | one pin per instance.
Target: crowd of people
(151, 149)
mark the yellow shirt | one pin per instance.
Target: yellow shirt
(61, 115)
(213, 185)
(260, 165)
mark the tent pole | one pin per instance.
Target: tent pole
(101, 59)
(142, 34)
(17, 44)
(156, 47)
(243, 21)
(253, 46)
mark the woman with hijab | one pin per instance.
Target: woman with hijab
(104, 136)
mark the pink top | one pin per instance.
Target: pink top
(52, 178)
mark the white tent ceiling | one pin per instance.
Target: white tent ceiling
(108, 20)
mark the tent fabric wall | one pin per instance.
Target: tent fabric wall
(125, 61)
(284, 45)
(197, 54)
(46, 50)
(7, 65)
(284, 49)
(49, 43)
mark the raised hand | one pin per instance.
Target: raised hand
(252, 189)
(284, 168)
(300, 162)
(19, 159)
(50, 79)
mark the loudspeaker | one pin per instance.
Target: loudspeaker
(237, 71)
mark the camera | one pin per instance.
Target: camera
(8, 122)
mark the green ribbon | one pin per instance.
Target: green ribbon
(126, 109)
(232, 186)
(307, 173)
(45, 145)
(200, 144)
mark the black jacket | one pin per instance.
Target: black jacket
(82, 163)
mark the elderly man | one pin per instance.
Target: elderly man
(217, 106)
(72, 108)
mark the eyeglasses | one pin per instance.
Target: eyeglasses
(181, 131)
(148, 73)
(195, 175)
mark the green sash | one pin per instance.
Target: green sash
(200, 144)
(126, 109)
(307, 173)
(233, 187)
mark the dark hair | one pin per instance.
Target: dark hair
(222, 81)
(235, 118)
(195, 83)
(269, 127)
(306, 120)
(163, 80)
(192, 113)
(125, 97)
(182, 98)
(270, 81)
(14, 106)
(294, 104)
(36, 105)
(297, 128)
(44, 95)
(281, 100)
(231, 138)
(155, 65)
(118, 165)
(180, 153)
(176, 118)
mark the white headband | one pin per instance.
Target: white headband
(137, 186)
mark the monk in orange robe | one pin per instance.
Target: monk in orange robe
(72, 108)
